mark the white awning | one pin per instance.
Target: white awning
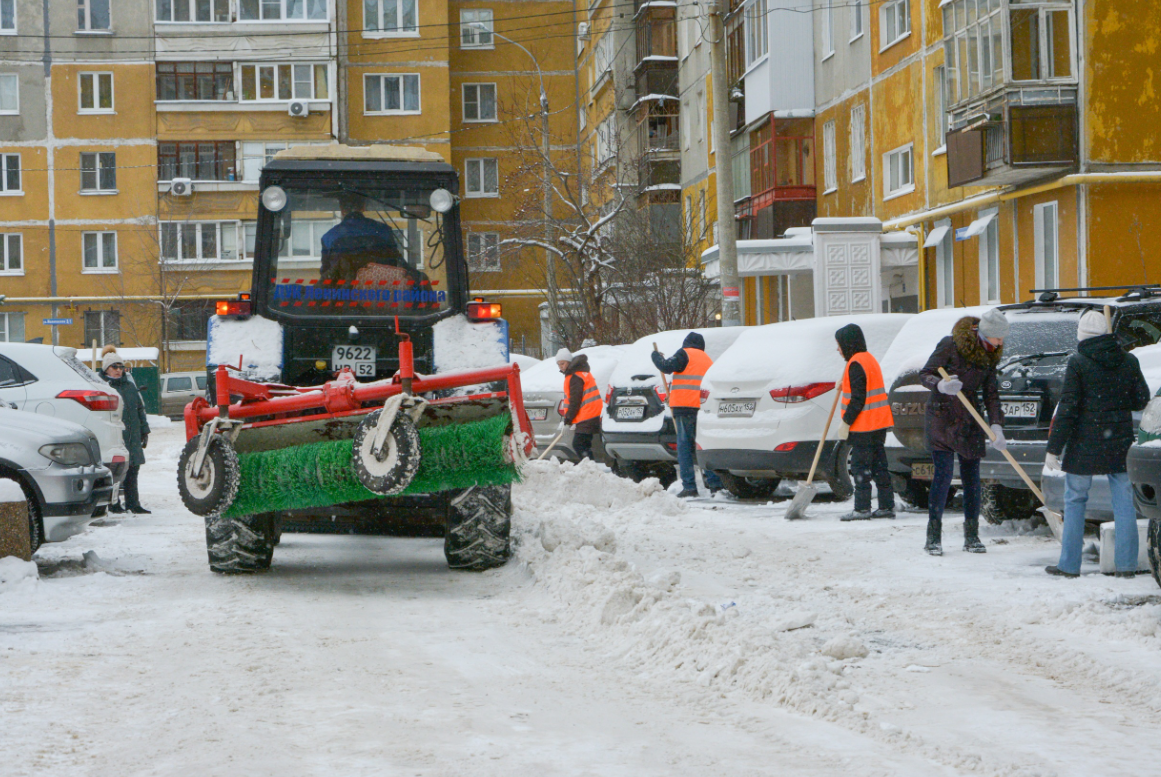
(978, 226)
(775, 262)
(935, 237)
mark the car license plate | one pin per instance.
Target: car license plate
(537, 413)
(741, 409)
(360, 359)
(1021, 409)
(923, 470)
(631, 413)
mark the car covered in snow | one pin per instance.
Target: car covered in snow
(58, 466)
(637, 427)
(767, 400)
(543, 387)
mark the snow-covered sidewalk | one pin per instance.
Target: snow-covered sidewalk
(633, 634)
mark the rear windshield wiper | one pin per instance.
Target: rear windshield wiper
(1031, 357)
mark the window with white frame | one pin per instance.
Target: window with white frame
(582, 119)
(193, 10)
(476, 28)
(894, 21)
(686, 129)
(829, 157)
(95, 92)
(391, 94)
(99, 251)
(9, 93)
(99, 172)
(7, 17)
(192, 241)
(482, 178)
(281, 10)
(940, 87)
(1046, 225)
(93, 14)
(305, 241)
(704, 211)
(479, 102)
(603, 56)
(700, 118)
(11, 253)
(828, 29)
(858, 143)
(10, 174)
(104, 326)
(483, 251)
(945, 266)
(276, 82)
(11, 327)
(688, 214)
(973, 47)
(606, 141)
(757, 31)
(899, 171)
(856, 19)
(256, 154)
(390, 17)
(990, 259)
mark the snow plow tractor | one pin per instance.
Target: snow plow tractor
(356, 388)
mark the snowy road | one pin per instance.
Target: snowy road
(632, 635)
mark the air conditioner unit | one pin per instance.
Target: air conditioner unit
(298, 108)
(181, 187)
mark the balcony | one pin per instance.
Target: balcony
(656, 69)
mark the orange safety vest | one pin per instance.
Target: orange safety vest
(685, 389)
(590, 397)
(876, 412)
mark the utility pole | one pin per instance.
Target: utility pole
(727, 226)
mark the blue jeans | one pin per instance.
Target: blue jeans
(1124, 514)
(687, 454)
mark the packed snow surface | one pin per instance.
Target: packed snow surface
(632, 634)
(463, 345)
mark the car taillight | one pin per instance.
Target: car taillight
(484, 311)
(608, 395)
(93, 400)
(660, 393)
(704, 395)
(671, 445)
(232, 307)
(786, 446)
(560, 407)
(800, 393)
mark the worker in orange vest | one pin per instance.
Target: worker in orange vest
(582, 401)
(866, 420)
(688, 367)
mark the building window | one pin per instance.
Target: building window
(899, 171)
(192, 241)
(7, 17)
(856, 20)
(606, 141)
(829, 158)
(198, 161)
(476, 28)
(757, 31)
(11, 254)
(603, 56)
(92, 14)
(257, 154)
(11, 327)
(483, 178)
(9, 93)
(479, 102)
(1046, 224)
(973, 47)
(193, 10)
(267, 10)
(483, 252)
(990, 259)
(10, 174)
(940, 86)
(858, 143)
(1041, 43)
(96, 92)
(828, 29)
(104, 326)
(195, 81)
(704, 213)
(894, 21)
(945, 266)
(99, 172)
(390, 17)
(100, 251)
(271, 83)
(386, 94)
(189, 321)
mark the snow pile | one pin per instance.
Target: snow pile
(256, 341)
(462, 345)
(16, 573)
(10, 491)
(158, 422)
(635, 359)
(545, 376)
(525, 362)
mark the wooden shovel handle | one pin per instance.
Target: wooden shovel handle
(664, 382)
(825, 430)
(991, 436)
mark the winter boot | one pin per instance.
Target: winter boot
(857, 515)
(687, 493)
(934, 537)
(884, 512)
(971, 537)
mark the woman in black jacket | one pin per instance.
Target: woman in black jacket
(136, 431)
(1093, 428)
(969, 356)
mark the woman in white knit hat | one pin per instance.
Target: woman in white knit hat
(136, 428)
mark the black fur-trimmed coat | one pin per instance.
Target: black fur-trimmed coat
(950, 426)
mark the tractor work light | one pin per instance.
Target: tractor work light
(484, 311)
(442, 200)
(274, 198)
(232, 307)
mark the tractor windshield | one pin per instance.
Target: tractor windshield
(357, 250)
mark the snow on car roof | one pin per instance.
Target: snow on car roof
(918, 338)
(546, 377)
(636, 360)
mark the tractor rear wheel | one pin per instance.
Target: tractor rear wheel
(214, 491)
(479, 523)
(242, 545)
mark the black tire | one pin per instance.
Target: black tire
(1001, 503)
(400, 459)
(479, 524)
(35, 522)
(240, 545)
(1154, 541)
(748, 488)
(839, 477)
(214, 492)
(916, 493)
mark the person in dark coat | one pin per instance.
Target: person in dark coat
(865, 425)
(1093, 428)
(969, 355)
(685, 412)
(583, 431)
(135, 433)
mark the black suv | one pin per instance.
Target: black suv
(1036, 352)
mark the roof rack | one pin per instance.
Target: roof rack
(1136, 289)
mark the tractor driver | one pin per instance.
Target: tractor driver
(356, 242)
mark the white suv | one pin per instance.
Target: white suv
(52, 381)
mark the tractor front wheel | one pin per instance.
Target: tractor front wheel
(479, 523)
(398, 461)
(213, 491)
(242, 545)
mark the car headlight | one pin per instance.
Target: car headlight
(1151, 418)
(68, 454)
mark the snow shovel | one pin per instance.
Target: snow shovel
(806, 491)
(1055, 519)
(555, 440)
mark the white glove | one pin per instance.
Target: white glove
(1052, 463)
(951, 385)
(1000, 443)
(843, 430)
